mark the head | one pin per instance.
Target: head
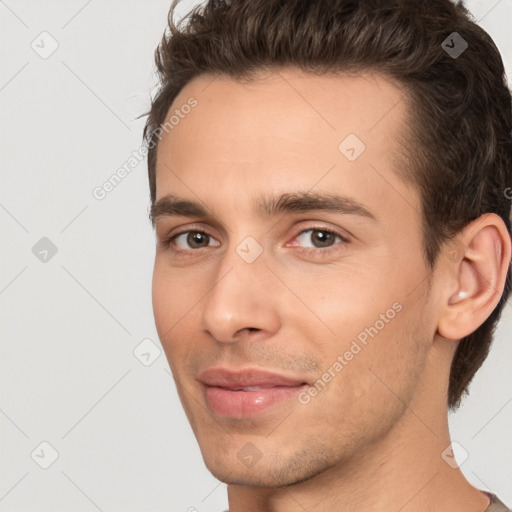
(350, 178)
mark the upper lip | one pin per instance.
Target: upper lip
(231, 379)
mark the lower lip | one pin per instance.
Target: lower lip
(245, 404)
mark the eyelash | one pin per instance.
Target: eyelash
(310, 251)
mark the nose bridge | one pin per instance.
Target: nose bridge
(239, 298)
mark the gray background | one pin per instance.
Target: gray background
(71, 321)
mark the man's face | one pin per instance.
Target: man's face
(325, 314)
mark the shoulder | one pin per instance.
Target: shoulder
(496, 505)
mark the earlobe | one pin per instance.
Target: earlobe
(477, 278)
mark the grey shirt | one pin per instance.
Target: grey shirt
(495, 506)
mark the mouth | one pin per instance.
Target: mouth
(247, 393)
(248, 388)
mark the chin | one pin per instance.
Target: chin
(278, 470)
(263, 477)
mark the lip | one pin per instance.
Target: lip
(225, 399)
(224, 378)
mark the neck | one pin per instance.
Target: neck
(404, 471)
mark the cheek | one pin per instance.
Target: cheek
(175, 293)
(390, 360)
(367, 326)
(173, 303)
(163, 297)
(369, 384)
(345, 305)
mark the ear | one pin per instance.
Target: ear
(475, 272)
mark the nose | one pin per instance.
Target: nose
(240, 301)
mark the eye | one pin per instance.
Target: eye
(318, 238)
(192, 240)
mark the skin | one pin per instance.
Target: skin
(373, 437)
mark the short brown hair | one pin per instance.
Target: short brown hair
(459, 146)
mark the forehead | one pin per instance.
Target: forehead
(367, 104)
(285, 128)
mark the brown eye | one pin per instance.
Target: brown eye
(197, 239)
(318, 238)
(193, 240)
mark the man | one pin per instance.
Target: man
(328, 184)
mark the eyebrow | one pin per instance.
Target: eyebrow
(297, 202)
